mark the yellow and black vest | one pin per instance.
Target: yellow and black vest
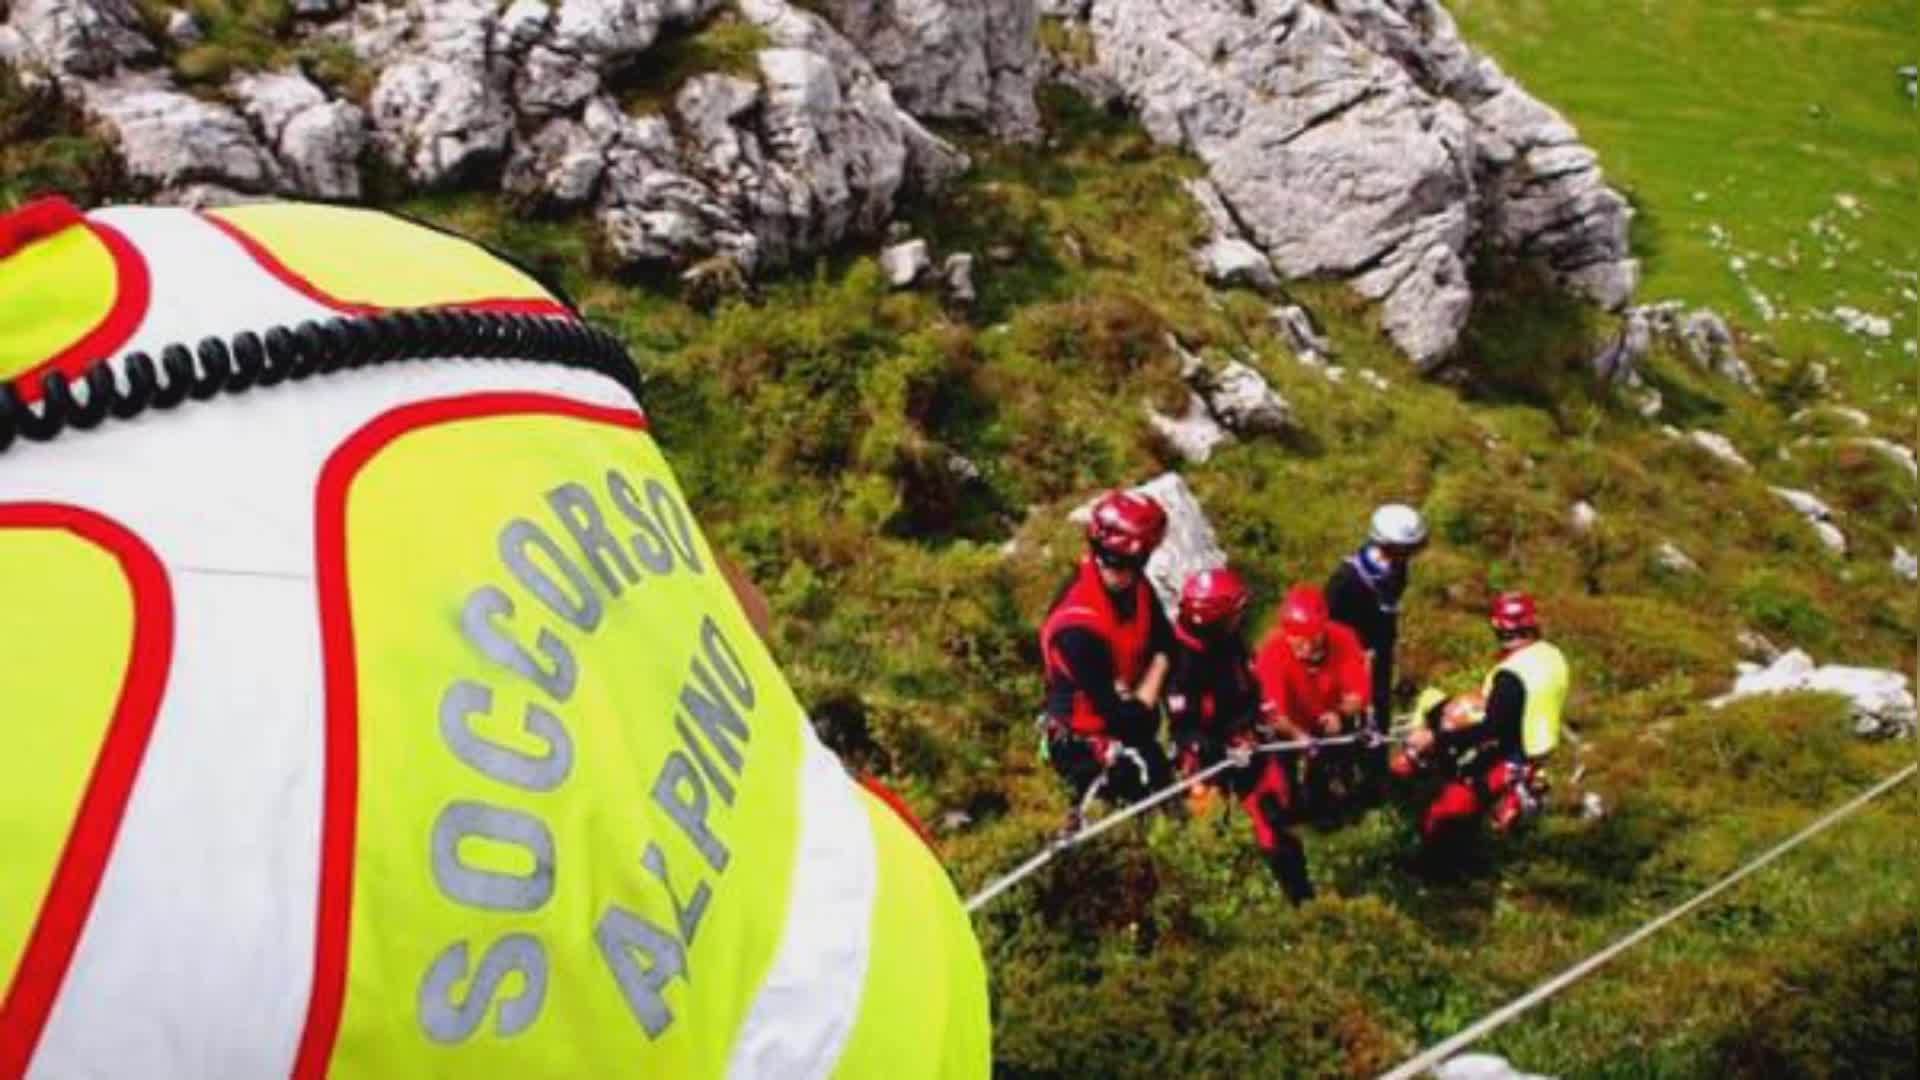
(1542, 669)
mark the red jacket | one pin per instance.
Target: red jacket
(1085, 604)
(1301, 693)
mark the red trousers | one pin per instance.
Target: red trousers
(1265, 791)
(1501, 787)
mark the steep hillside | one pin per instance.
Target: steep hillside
(895, 466)
(1769, 151)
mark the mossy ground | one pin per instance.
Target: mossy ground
(816, 425)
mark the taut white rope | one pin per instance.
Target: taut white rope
(1442, 1050)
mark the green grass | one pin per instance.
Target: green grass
(240, 36)
(43, 149)
(1752, 119)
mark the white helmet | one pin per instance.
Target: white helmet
(1398, 525)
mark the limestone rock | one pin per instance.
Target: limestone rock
(440, 107)
(1710, 343)
(560, 166)
(1479, 1066)
(1243, 401)
(1893, 451)
(1844, 413)
(1583, 517)
(1190, 546)
(967, 60)
(1669, 557)
(1883, 702)
(1755, 645)
(317, 141)
(906, 263)
(1362, 139)
(1720, 447)
(79, 37)
(182, 27)
(1194, 434)
(1819, 514)
(170, 139)
(1905, 564)
(1302, 335)
(956, 275)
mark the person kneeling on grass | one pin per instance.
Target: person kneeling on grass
(1492, 762)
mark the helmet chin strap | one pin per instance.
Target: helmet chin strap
(1513, 641)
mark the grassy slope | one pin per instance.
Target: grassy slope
(1752, 118)
(813, 427)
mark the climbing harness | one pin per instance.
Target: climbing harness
(1087, 832)
(1439, 1052)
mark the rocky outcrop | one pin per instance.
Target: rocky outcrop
(1361, 139)
(760, 170)
(439, 108)
(974, 61)
(1227, 258)
(1883, 703)
(1710, 343)
(169, 139)
(1224, 403)
(1668, 556)
(1243, 401)
(317, 141)
(78, 37)
(182, 27)
(1296, 324)
(801, 147)
(1701, 334)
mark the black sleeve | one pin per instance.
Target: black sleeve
(1159, 630)
(1090, 664)
(1506, 704)
(1350, 602)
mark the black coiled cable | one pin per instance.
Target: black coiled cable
(250, 360)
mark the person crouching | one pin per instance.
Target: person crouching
(1493, 757)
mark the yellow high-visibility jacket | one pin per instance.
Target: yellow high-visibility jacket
(377, 708)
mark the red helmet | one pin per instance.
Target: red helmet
(1127, 524)
(1304, 613)
(1212, 597)
(1514, 612)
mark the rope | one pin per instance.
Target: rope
(1045, 855)
(1439, 1052)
